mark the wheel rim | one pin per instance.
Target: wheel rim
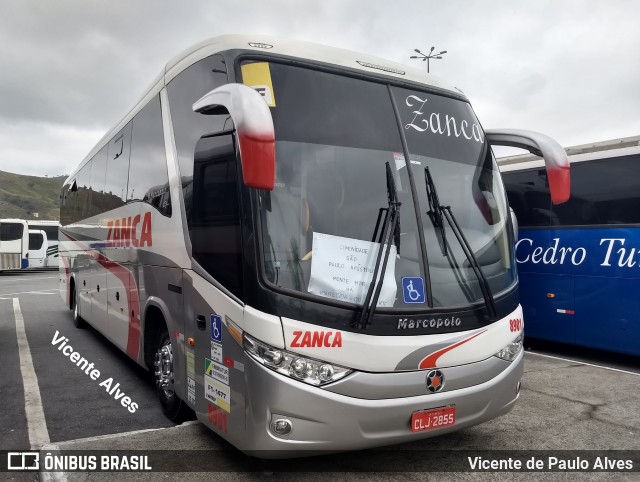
(76, 315)
(164, 369)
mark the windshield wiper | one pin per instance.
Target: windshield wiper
(436, 213)
(390, 228)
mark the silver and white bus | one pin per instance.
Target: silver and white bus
(310, 247)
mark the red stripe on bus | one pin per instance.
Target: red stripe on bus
(133, 302)
(430, 361)
(127, 279)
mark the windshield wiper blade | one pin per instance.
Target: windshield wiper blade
(390, 228)
(436, 213)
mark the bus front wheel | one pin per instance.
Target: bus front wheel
(173, 407)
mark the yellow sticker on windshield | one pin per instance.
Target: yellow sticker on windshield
(258, 76)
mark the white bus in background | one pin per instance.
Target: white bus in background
(51, 229)
(226, 233)
(14, 244)
(37, 248)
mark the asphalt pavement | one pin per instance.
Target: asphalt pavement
(566, 404)
(74, 405)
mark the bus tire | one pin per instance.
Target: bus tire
(75, 307)
(174, 408)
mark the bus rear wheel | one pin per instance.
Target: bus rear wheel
(173, 407)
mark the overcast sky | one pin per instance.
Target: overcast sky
(70, 69)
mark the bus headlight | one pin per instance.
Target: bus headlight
(305, 369)
(511, 351)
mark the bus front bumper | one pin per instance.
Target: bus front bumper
(324, 421)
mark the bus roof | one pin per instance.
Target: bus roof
(44, 222)
(305, 50)
(13, 220)
(583, 152)
(280, 46)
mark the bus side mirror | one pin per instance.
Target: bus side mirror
(254, 127)
(555, 158)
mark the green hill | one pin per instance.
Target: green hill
(22, 196)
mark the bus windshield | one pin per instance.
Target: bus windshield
(321, 223)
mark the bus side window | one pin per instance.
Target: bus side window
(115, 186)
(11, 231)
(189, 126)
(603, 191)
(214, 224)
(148, 176)
(98, 170)
(529, 197)
(83, 193)
(67, 205)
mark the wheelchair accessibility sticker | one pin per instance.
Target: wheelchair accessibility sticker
(216, 328)
(413, 289)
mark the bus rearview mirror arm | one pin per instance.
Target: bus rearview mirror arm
(555, 158)
(254, 128)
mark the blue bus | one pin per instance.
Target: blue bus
(579, 262)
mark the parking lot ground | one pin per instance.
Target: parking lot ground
(565, 404)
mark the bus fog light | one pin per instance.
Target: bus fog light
(511, 351)
(307, 370)
(282, 427)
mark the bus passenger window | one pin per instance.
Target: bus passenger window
(115, 186)
(188, 126)
(11, 231)
(98, 170)
(83, 194)
(148, 176)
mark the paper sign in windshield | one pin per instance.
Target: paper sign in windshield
(342, 269)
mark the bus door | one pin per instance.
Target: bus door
(37, 248)
(216, 362)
